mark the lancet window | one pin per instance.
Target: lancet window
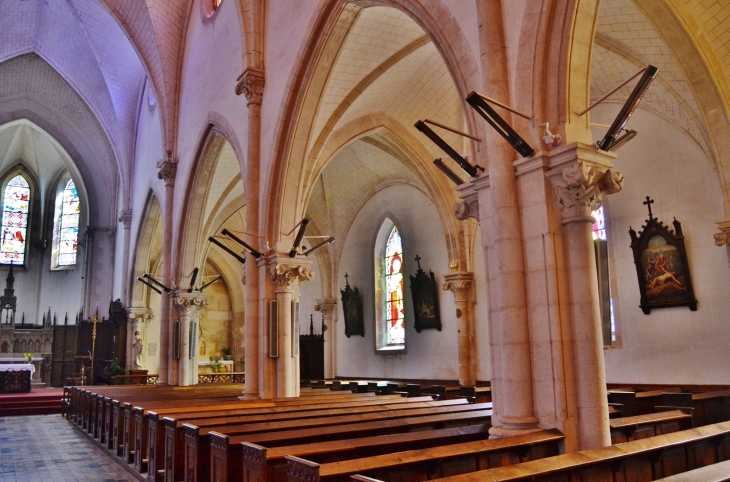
(395, 331)
(16, 203)
(601, 244)
(66, 226)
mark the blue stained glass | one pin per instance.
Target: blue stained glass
(15, 221)
(394, 305)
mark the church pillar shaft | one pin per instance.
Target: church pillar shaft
(460, 284)
(580, 184)
(125, 217)
(251, 84)
(168, 368)
(189, 306)
(512, 375)
(327, 307)
(288, 274)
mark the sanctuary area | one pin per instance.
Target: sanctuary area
(503, 224)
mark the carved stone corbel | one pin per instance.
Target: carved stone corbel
(723, 237)
(467, 209)
(251, 84)
(168, 170)
(125, 217)
(584, 184)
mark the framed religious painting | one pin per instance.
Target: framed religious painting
(352, 309)
(661, 265)
(425, 300)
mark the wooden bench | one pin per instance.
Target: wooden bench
(638, 461)
(198, 439)
(637, 403)
(269, 465)
(719, 472)
(626, 429)
(708, 407)
(168, 433)
(479, 394)
(142, 434)
(433, 462)
(225, 449)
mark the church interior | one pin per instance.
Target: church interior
(231, 205)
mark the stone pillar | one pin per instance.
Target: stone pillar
(328, 306)
(125, 217)
(137, 319)
(189, 306)
(251, 84)
(168, 372)
(460, 284)
(581, 180)
(287, 274)
(509, 327)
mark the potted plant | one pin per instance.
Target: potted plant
(29, 357)
(227, 352)
(113, 368)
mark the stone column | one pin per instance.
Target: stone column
(137, 319)
(288, 274)
(328, 306)
(580, 181)
(125, 217)
(460, 284)
(512, 369)
(168, 372)
(251, 84)
(189, 306)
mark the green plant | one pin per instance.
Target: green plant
(114, 368)
(226, 352)
(215, 366)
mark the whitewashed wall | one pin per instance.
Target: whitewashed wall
(670, 345)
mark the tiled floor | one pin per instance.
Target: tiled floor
(46, 448)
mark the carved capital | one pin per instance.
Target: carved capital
(168, 170)
(582, 188)
(187, 302)
(723, 237)
(458, 283)
(139, 314)
(467, 209)
(251, 84)
(326, 306)
(284, 273)
(125, 217)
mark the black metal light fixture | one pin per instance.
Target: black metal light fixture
(449, 173)
(228, 250)
(327, 241)
(628, 109)
(245, 246)
(210, 283)
(297, 241)
(147, 275)
(626, 137)
(151, 286)
(480, 104)
(444, 146)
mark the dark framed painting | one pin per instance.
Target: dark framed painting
(661, 265)
(352, 309)
(424, 292)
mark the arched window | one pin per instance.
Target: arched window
(395, 330)
(66, 226)
(604, 288)
(16, 201)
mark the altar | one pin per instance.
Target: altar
(16, 377)
(222, 366)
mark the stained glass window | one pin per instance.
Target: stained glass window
(69, 225)
(395, 332)
(15, 221)
(599, 232)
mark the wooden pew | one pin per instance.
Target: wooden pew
(230, 449)
(479, 394)
(142, 434)
(638, 461)
(168, 432)
(269, 465)
(708, 407)
(434, 462)
(197, 439)
(719, 472)
(637, 403)
(626, 429)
